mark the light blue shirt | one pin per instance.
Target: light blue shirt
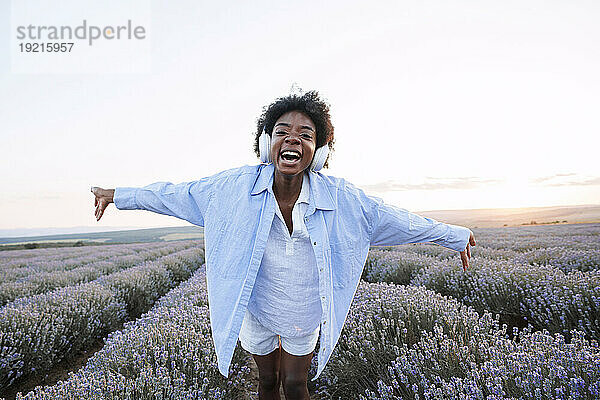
(285, 298)
(237, 209)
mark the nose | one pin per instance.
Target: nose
(292, 139)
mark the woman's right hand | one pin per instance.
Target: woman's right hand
(103, 197)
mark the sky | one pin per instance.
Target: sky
(437, 105)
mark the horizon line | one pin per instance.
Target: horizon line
(27, 231)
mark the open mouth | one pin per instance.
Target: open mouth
(291, 156)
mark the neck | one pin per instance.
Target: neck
(287, 187)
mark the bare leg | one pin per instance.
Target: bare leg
(269, 378)
(294, 375)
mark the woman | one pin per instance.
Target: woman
(285, 244)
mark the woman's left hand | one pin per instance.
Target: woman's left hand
(465, 255)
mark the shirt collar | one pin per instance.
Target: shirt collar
(317, 189)
(305, 191)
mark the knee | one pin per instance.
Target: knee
(268, 381)
(294, 386)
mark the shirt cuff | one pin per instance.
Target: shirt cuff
(124, 198)
(458, 237)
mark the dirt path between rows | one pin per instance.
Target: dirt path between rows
(59, 372)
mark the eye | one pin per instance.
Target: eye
(281, 133)
(307, 136)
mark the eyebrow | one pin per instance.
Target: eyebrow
(288, 125)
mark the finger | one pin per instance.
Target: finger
(468, 251)
(472, 240)
(95, 201)
(465, 261)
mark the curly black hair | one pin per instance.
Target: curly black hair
(309, 103)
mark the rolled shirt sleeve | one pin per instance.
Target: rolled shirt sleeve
(395, 226)
(186, 200)
(124, 198)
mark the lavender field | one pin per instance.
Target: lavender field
(523, 322)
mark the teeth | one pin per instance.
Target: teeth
(290, 153)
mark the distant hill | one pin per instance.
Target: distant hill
(498, 217)
(479, 218)
(127, 236)
(23, 232)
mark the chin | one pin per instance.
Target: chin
(290, 171)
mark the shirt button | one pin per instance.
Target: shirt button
(315, 243)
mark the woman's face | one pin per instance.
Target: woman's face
(293, 143)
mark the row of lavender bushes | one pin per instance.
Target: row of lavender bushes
(38, 262)
(407, 342)
(38, 331)
(566, 259)
(51, 258)
(168, 353)
(544, 296)
(541, 295)
(109, 260)
(563, 258)
(526, 238)
(23, 258)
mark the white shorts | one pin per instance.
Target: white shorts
(258, 340)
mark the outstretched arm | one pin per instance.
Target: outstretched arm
(186, 200)
(395, 226)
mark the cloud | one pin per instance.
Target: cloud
(433, 183)
(556, 180)
(547, 178)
